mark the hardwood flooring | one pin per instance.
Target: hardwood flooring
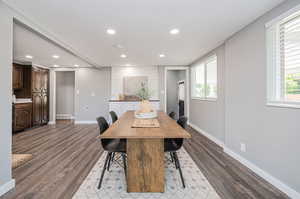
(64, 121)
(63, 155)
(229, 177)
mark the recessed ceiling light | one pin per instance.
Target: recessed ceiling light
(76, 65)
(123, 56)
(174, 31)
(128, 65)
(118, 46)
(162, 55)
(110, 31)
(29, 57)
(55, 56)
(55, 65)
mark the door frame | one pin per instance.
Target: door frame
(53, 72)
(187, 86)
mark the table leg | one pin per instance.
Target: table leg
(145, 159)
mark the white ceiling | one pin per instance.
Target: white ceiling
(143, 26)
(27, 42)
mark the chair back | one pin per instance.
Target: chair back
(103, 126)
(182, 121)
(114, 116)
(172, 115)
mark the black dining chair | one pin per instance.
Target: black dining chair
(172, 115)
(173, 145)
(114, 116)
(112, 146)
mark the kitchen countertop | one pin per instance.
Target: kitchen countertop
(23, 101)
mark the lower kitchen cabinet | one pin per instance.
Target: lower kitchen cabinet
(22, 116)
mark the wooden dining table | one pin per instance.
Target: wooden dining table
(145, 150)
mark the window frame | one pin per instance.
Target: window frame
(205, 62)
(275, 71)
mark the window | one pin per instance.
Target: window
(283, 51)
(204, 79)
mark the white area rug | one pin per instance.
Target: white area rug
(114, 185)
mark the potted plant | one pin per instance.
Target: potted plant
(145, 110)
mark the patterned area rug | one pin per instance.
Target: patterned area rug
(114, 185)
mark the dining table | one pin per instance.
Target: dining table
(145, 150)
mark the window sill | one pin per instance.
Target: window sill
(284, 105)
(205, 99)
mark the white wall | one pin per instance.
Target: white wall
(209, 115)
(93, 86)
(240, 115)
(92, 94)
(65, 87)
(6, 33)
(118, 73)
(271, 134)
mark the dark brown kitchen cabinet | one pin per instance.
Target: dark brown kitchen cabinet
(17, 76)
(40, 96)
(36, 109)
(22, 116)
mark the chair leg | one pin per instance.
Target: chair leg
(103, 170)
(125, 165)
(180, 171)
(110, 160)
(113, 157)
(171, 155)
(175, 162)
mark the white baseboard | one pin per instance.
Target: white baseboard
(64, 117)
(86, 122)
(7, 187)
(265, 175)
(208, 135)
(51, 122)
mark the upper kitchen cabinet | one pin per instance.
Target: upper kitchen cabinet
(22, 80)
(18, 77)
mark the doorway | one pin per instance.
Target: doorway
(65, 92)
(176, 91)
(181, 98)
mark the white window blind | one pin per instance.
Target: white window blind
(289, 34)
(283, 56)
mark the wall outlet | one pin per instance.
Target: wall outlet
(243, 147)
(86, 108)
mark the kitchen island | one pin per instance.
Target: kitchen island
(122, 106)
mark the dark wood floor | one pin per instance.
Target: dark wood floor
(229, 177)
(63, 155)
